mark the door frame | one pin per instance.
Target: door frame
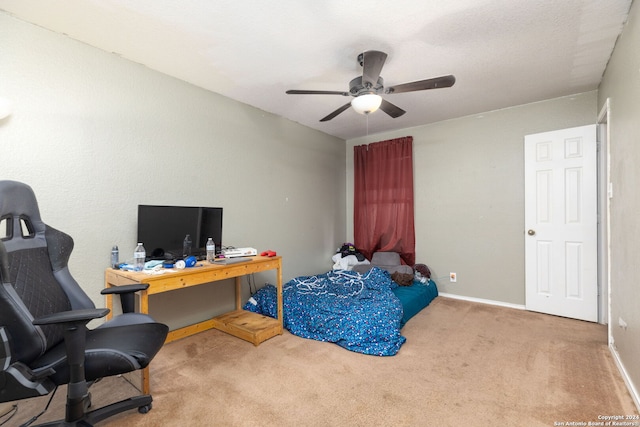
(605, 189)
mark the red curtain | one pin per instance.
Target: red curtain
(383, 198)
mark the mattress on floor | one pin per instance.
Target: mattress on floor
(415, 297)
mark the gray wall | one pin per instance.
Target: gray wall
(621, 84)
(469, 193)
(96, 135)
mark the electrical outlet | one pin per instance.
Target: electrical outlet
(453, 277)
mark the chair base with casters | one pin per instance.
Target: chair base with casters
(143, 403)
(90, 418)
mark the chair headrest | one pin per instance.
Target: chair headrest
(18, 199)
(19, 216)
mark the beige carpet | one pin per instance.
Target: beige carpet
(464, 364)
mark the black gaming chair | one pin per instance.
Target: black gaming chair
(44, 338)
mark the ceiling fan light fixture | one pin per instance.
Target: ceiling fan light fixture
(367, 103)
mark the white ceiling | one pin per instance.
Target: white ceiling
(502, 52)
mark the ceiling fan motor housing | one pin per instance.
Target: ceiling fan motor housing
(356, 88)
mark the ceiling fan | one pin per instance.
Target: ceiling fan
(366, 89)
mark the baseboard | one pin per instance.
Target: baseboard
(483, 301)
(632, 390)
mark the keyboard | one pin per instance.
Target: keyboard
(234, 260)
(199, 253)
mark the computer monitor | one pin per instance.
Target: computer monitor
(162, 229)
(211, 226)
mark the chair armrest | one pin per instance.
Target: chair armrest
(73, 316)
(127, 294)
(124, 289)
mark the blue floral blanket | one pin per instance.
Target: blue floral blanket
(357, 312)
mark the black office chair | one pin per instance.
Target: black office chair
(44, 338)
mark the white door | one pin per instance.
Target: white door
(561, 268)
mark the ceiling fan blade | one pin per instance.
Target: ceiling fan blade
(435, 83)
(372, 62)
(393, 110)
(335, 113)
(317, 92)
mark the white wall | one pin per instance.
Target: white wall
(469, 193)
(621, 84)
(96, 135)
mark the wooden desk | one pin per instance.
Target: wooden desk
(249, 326)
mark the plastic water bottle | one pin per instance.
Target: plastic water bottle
(115, 257)
(138, 256)
(211, 250)
(186, 246)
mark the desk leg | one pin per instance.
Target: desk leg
(144, 302)
(144, 308)
(109, 305)
(108, 298)
(239, 293)
(279, 295)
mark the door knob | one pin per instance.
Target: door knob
(531, 232)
